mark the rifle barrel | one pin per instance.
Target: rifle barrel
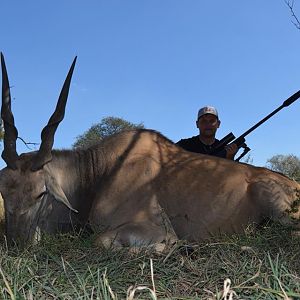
(286, 103)
(291, 99)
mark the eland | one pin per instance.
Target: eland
(136, 187)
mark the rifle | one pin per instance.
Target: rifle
(240, 141)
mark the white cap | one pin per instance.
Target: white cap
(207, 110)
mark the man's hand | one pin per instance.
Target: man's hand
(231, 150)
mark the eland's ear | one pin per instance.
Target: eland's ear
(56, 191)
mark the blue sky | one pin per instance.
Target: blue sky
(155, 62)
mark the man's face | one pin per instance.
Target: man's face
(208, 125)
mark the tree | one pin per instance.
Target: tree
(106, 127)
(247, 159)
(289, 165)
(295, 21)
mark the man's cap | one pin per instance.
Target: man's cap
(207, 110)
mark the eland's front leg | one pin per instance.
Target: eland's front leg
(158, 235)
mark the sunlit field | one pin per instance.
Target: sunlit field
(263, 264)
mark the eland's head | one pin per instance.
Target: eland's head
(28, 189)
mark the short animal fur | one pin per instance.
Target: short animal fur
(137, 186)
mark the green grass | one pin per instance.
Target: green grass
(258, 265)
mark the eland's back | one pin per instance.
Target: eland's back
(136, 187)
